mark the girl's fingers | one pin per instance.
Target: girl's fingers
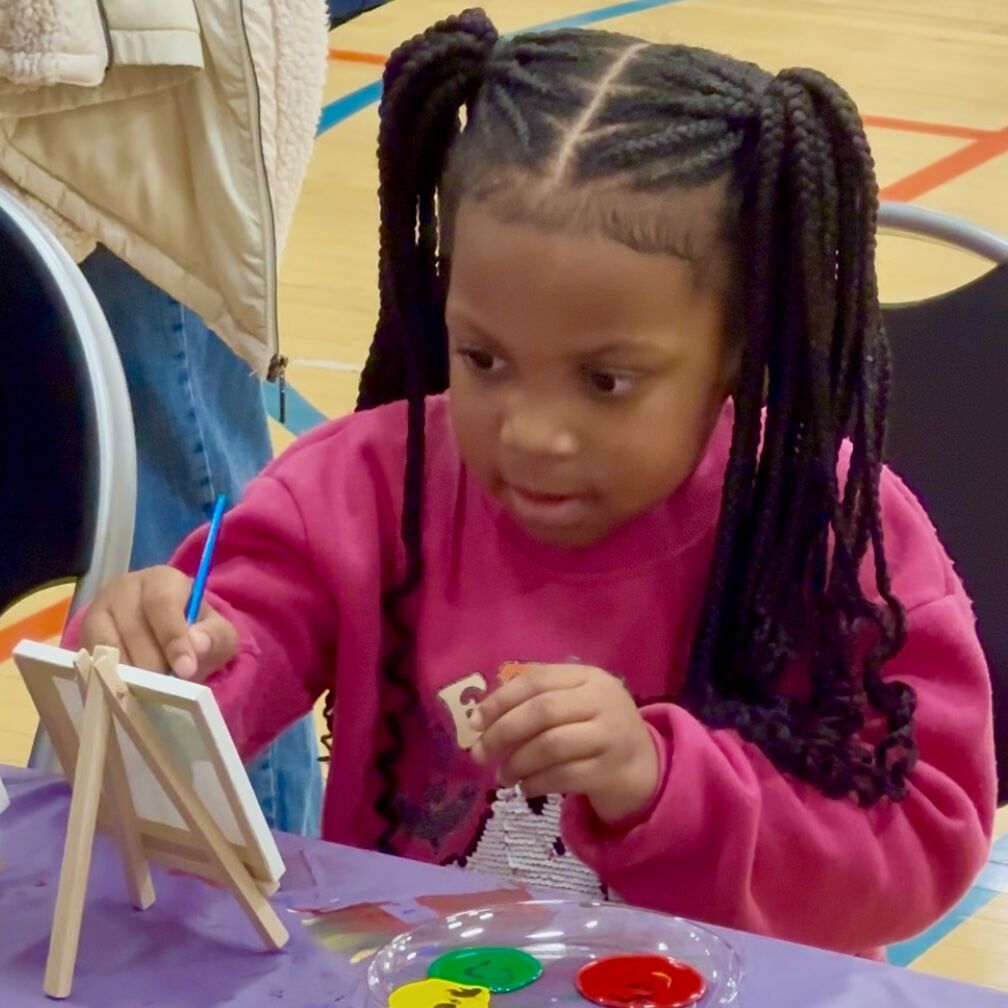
(535, 680)
(570, 743)
(567, 778)
(143, 616)
(164, 596)
(214, 641)
(537, 715)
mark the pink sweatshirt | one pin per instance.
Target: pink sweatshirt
(300, 569)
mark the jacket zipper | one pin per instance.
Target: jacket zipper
(277, 369)
(103, 16)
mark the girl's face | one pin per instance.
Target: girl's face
(586, 378)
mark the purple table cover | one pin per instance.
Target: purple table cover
(195, 949)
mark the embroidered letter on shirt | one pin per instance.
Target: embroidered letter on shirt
(461, 698)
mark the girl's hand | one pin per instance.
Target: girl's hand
(569, 729)
(143, 615)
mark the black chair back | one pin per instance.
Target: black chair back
(948, 438)
(48, 433)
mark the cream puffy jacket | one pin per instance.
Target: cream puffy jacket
(175, 132)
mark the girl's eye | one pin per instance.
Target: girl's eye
(482, 360)
(610, 385)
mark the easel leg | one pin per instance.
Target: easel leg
(136, 868)
(229, 868)
(87, 788)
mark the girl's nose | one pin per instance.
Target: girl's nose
(538, 430)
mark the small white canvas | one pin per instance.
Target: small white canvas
(189, 722)
(4, 799)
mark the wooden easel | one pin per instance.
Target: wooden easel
(100, 769)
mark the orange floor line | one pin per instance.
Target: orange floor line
(927, 128)
(950, 167)
(41, 626)
(352, 56)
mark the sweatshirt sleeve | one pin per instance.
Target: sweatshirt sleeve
(731, 840)
(264, 581)
(300, 569)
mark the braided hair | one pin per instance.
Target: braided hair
(591, 131)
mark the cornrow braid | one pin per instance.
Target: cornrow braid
(589, 132)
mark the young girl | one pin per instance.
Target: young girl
(645, 274)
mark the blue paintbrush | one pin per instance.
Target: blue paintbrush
(203, 572)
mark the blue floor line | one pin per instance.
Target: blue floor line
(906, 952)
(991, 883)
(350, 104)
(604, 14)
(347, 105)
(301, 415)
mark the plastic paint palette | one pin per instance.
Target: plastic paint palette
(600, 953)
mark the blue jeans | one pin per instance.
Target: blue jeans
(201, 431)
